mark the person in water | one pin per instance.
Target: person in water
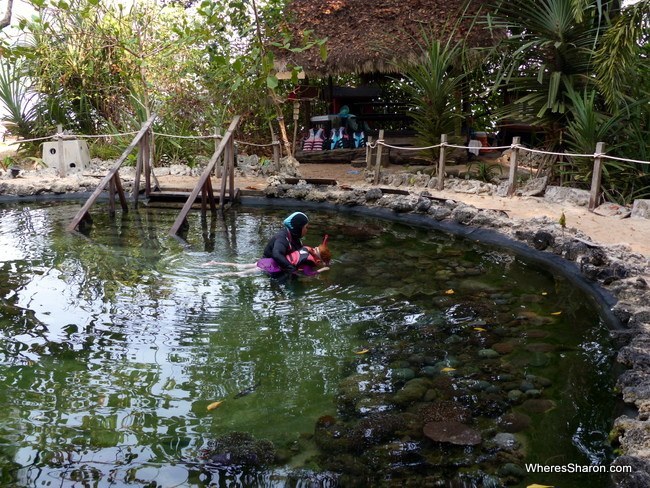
(284, 254)
(307, 260)
(287, 240)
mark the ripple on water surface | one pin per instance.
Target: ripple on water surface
(113, 346)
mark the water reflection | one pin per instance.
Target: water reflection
(113, 345)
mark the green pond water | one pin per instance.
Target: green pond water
(114, 343)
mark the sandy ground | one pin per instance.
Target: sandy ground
(634, 233)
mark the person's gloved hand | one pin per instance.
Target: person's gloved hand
(290, 269)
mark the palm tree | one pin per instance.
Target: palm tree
(550, 49)
(433, 88)
(622, 64)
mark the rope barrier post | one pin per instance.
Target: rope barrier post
(441, 163)
(296, 114)
(276, 152)
(512, 175)
(369, 153)
(378, 160)
(596, 176)
(59, 148)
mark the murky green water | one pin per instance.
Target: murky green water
(113, 345)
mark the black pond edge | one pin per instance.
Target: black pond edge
(603, 299)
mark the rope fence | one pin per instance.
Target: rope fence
(63, 136)
(598, 156)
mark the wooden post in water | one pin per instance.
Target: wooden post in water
(441, 163)
(231, 173)
(146, 160)
(225, 175)
(512, 175)
(378, 159)
(217, 139)
(181, 218)
(120, 192)
(111, 197)
(596, 176)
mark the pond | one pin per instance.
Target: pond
(418, 358)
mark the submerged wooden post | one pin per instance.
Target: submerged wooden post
(512, 175)
(378, 160)
(441, 163)
(596, 176)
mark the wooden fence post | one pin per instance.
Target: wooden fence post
(512, 175)
(276, 152)
(296, 115)
(378, 159)
(596, 176)
(441, 163)
(369, 153)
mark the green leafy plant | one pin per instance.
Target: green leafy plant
(433, 86)
(482, 171)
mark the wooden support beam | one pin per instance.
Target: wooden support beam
(120, 192)
(111, 197)
(231, 174)
(213, 204)
(224, 175)
(146, 160)
(138, 174)
(204, 198)
(109, 176)
(204, 176)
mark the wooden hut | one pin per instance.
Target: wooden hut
(371, 39)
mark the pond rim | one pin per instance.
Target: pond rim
(604, 300)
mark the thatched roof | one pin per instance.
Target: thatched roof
(370, 36)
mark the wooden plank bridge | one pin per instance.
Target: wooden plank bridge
(202, 193)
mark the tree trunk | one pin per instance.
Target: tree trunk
(6, 20)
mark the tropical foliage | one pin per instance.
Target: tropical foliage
(433, 87)
(577, 68)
